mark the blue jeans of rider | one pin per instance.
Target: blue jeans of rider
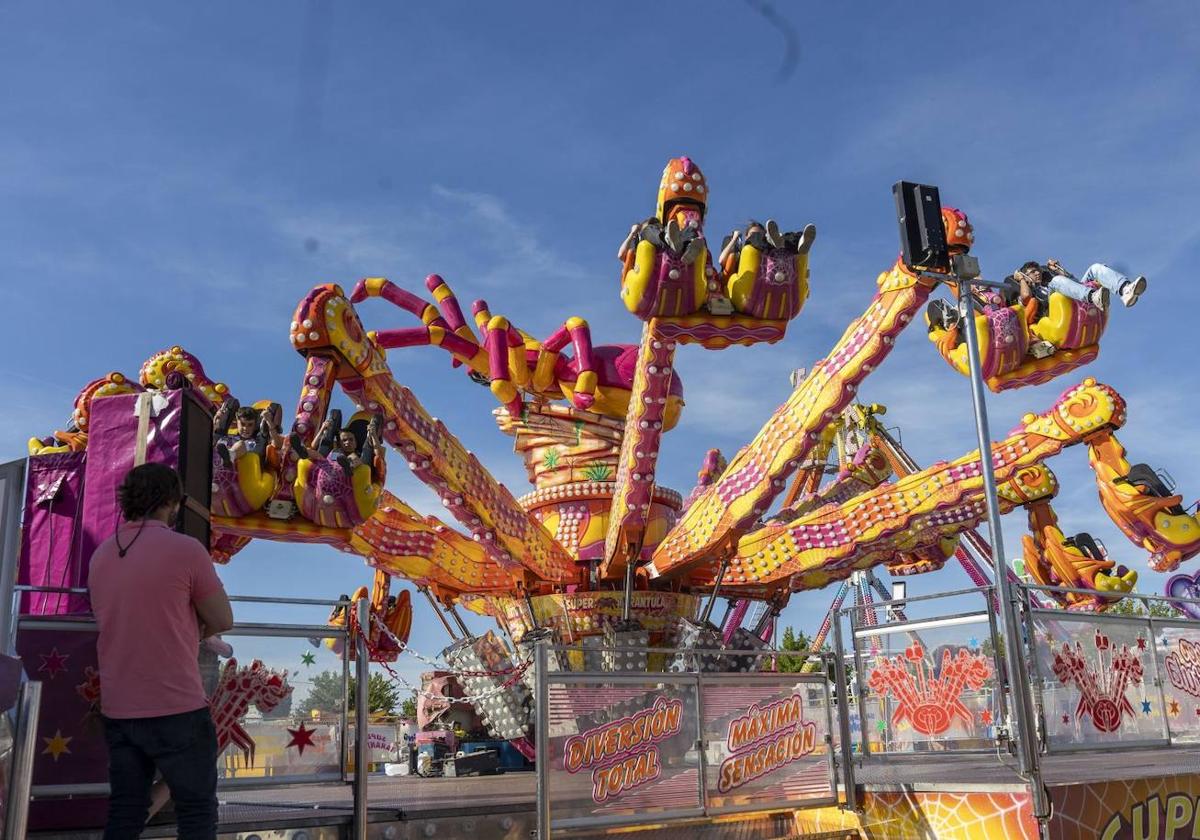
(184, 749)
(1108, 278)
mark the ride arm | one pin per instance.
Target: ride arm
(759, 471)
(576, 332)
(920, 510)
(1153, 521)
(426, 551)
(511, 538)
(451, 334)
(638, 458)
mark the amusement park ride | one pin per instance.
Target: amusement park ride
(599, 552)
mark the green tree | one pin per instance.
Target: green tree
(1137, 607)
(325, 695)
(408, 708)
(793, 641)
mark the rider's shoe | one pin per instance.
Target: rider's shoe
(1041, 349)
(1131, 291)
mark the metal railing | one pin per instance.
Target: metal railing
(24, 722)
(1099, 680)
(1114, 681)
(232, 774)
(712, 741)
(929, 681)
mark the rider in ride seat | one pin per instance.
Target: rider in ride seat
(1040, 281)
(941, 314)
(255, 432)
(342, 444)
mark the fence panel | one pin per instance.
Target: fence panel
(620, 749)
(929, 684)
(767, 741)
(1096, 678)
(277, 703)
(278, 708)
(1177, 648)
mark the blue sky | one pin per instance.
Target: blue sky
(183, 173)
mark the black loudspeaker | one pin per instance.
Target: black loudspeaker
(922, 237)
(195, 466)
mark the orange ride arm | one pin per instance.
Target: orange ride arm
(399, 541)
(1158, 524)
(923, 508)
(759, 471)
(512, 538)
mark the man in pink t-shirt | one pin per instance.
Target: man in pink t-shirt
(155, 596)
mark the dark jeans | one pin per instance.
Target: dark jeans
(184, 749)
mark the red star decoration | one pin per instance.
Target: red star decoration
(301, 738)
(54, 663)
(1141, 643)
(1066, 718)
(985, 717)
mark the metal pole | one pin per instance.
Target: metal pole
(16, 810)
(467, 634)
(12, 486)
(542, 736)
(712, 599)
(627, 603)
(361, 713)
(843, 699)
(533, 623)
(437, 610)
(1027, 758)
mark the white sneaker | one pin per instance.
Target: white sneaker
(1099, 298)
(1132, 290)
(774, 237)
(1041, 349)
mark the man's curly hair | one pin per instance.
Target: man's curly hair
(147, 488)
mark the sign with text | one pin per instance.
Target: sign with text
(622, 750)
(766, 741)
(1177, 646)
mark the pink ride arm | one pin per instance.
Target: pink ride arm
(389, 291)
(453, 336)
(736, 616)
(422, 549)
(447, 303)
(585, 362)
(498, 340)
(639, 453)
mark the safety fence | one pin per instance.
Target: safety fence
(621, 748)
(280, 697)
(1115, 681)
(20, 704)
(929, 674)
